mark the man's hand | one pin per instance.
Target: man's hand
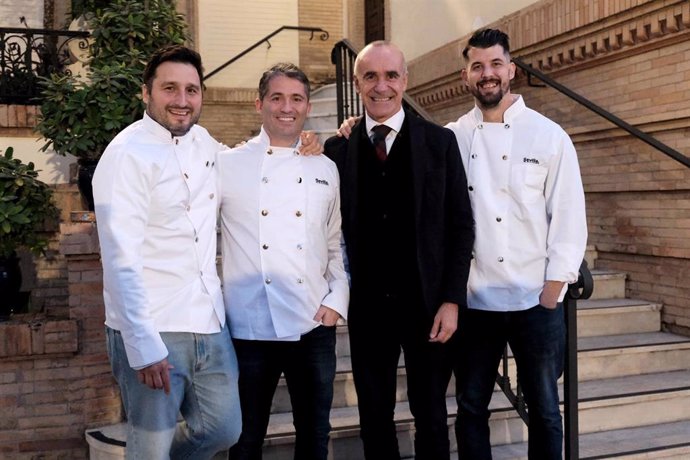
(326, 316)
(346, 128)
(156, 376)
(310, 144)
(445, 323)
(549, 295)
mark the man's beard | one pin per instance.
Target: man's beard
(488, 101)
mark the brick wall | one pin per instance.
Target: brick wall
(631, 58)
(229, 115)
(315, 54)
(55, 380)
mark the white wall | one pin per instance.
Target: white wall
(12, 10)
(228, 27)
(54, 169)
(419, 26)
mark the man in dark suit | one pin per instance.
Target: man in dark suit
(408, 228)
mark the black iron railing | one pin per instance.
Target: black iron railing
(343, 57)
(349, 105)
(28, 54)
(641, 135)
(323, 36)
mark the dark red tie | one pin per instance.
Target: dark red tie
(379, 141)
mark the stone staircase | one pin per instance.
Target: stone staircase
(323, 118)
(634, 390)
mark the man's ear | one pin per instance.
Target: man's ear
(258, 104)
(356, 80)
(145, 94)
(463, 76)
(512, 70)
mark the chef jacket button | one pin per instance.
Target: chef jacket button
(267, 280)
(500, 259)
(264, 180)
(474, 155)
(264, 212)
(299, 180)
(296, 152)
(212, 195)
(300, 281)
(201, 273)
(480, 126)
(299, 247)
(498, 219)
(470, 188)
(298, 213)
(265, 246)
(186, 176)
(506, 126)
(187, 208)
(177, 141)
(196, 239)
(207, 163)
(269, 151)
(504, 157)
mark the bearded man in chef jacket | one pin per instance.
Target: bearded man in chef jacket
(531, 232)
(284, 282)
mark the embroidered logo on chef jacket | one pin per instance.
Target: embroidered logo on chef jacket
(321, 181)
(530, 160)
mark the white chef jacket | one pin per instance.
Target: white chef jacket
(156, 204)
(282, 255)
(528, 204)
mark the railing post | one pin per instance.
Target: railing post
(582, 289)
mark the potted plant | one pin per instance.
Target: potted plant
(25, 207)
(81, 116)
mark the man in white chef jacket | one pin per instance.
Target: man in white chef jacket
(283, 277)
(156, 204)
(531, 232)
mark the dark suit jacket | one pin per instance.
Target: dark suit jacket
(443, 216)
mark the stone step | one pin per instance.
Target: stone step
(596, 317)
(324, 92)
(324, 106)
(608, 405)
(321, 122)
(608, 284)
(616, 316)
(664, 440)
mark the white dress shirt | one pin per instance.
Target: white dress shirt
(528, 204)
(156, 205)
(394, 123)
(282, 255)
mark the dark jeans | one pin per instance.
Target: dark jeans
(537, 339)
(309, 369)
(375, 345)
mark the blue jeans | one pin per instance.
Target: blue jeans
(309, 369)
(537, 339)
(203, 389)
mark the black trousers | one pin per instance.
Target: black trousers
(379, 330)
(309, 369)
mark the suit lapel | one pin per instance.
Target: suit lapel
(352, 169)
(418, 154)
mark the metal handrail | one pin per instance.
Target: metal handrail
(343, 57)
(323, 37)
(644, 137)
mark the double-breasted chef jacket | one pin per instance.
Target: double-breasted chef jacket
(281, 240)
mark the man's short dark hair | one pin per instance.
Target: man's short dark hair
(486, 38)
(172, 53)
(286, 69)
